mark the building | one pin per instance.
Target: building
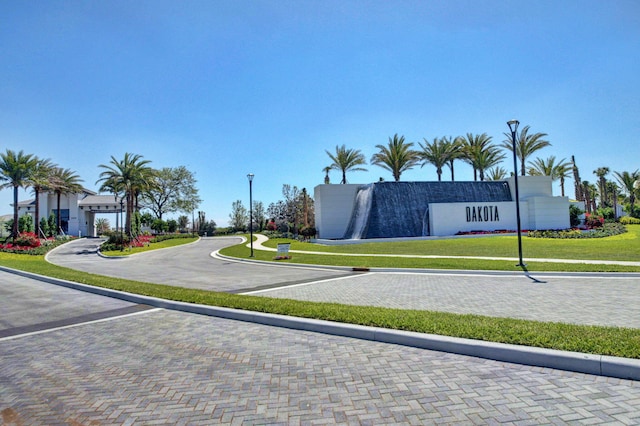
(77, 211)
(420, 209)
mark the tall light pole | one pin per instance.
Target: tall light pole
(250, 177)
(513, 126)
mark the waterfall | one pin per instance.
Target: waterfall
(360, 217)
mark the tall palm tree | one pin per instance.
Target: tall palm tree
(628, 182)
(526, 145)
(15, 171)
(397, 156)
(455, 151)
(40, 181)
(549, 167)
(472, 146)
(602, 173)
(439, 153)
(63, 181)
(346, 160)
(126, 179)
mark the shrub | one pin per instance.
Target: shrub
(574, 215)
(628, 220)
(27, 239)
(592, 221)
(606, 230)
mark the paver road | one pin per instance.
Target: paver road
(186, 266)
(164, 367)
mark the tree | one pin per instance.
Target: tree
(126, 179)
(170, 186)
(497, 173)
(397, 156)
(346, 160)
(239, 216)
(628, 183)
(473, 146)
(15, 172)
(40, 181)
(526, 145)
(102, 225)
(549, 167)
(327, 180)
(63, 181)
(602, 173)
(183, 222)
(259, 214)
(438, 153)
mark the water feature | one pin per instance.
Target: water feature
(400, 209)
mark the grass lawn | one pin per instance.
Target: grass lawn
(614, 341)
(153, 246)
(624, 247)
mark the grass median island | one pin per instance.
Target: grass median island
(172, 242)
(614, 341)
(624, 247)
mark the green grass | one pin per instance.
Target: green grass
(153, 246)
(624, 247)
(614, 341)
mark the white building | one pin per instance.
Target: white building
(77, 211)
(416, 209)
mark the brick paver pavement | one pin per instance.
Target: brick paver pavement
(594, 300)
(163, 367)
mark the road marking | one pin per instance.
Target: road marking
(16, 333)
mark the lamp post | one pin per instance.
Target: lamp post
(250, 177)
(121, 224)
(513, 126)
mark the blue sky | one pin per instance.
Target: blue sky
(231, 87)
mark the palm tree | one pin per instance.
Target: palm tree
(472, 147)
(63, 181)
(346, 160)
(326, 171)
(602, 172)
(497, 173)
(396, 157)
(126, 179)
(526, 145)
(628, 182)
(549, 167)
(456, 151)
(40, 181)
(439, 153)
(487, 158)
(15, 171)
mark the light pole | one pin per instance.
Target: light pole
(250, 177)
(121, 224)
(513, 126)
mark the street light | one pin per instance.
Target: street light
(121, 224)
(250, 177)
(513, 126)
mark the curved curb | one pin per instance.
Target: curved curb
(601, 365)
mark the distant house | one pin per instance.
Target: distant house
(77, 211)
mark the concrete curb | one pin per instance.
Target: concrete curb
(622, 368)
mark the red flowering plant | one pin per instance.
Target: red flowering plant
(593, 221)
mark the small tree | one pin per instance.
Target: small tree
(159, 226)
(53, 230)
(25, 223)
(183, 222)
(239, 217)
(102, 226)
(44, 227)
(172, 225)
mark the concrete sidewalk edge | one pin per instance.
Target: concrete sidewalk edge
(601, 365)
